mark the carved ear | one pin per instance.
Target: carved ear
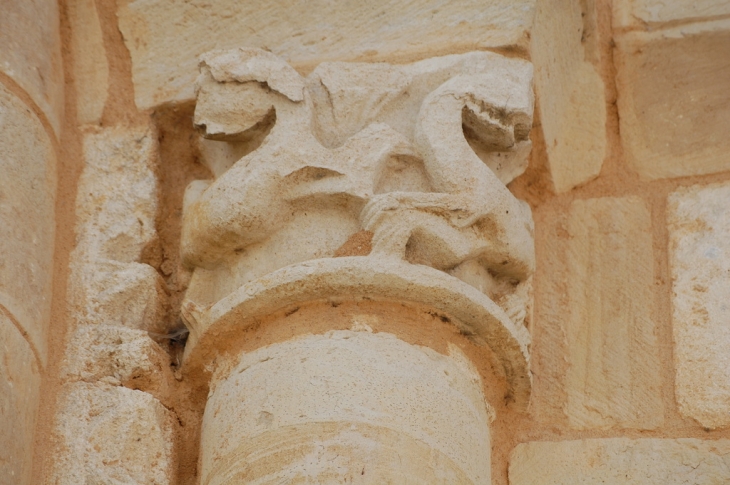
(233, 90)
(247, 64)
(498, 107)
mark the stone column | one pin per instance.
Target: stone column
(31, 110)
(365, 197)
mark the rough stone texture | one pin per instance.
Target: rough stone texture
(19, 393)
(112, 435)
(673, 99)
(118, 356)
(27, 217)
(571, 93)
(30, 53)
(699, 231)
(117, 195)
(649, 13)
(393, 135)
(166, 37)
(621, 461)
(347, 407)
(381, 278)
(613, 375)
(112, 293)
(91, 70)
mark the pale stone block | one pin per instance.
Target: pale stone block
(117, 196)
(30, 53)
(699, 231)
(673, 98)
(90, 66)
(116, 355)
(571, 95)
(641, 13)
(27, 218)
(329, 408)
(112, 293)
(19, 392)
(112, 435)
(621, 461)
(599, 311)
(166, 37)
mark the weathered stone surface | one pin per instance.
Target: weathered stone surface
(117, 195)
(570, 92)
(90, 66)
(112, 293)
(621, 461)
(613, 376)
(699, 231)
(30, 53)
(673, 98)
(27, 217)
(641, 13)
(112, 435)
(166, 37)
(332, 408)
(118, 356)
(19, 393)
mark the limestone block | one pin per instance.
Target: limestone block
(623, 461)
(699, 232)
(571, 94)
(347, 407)
(117, 356)
(117, 195)
(19, 393)
(90, 66)
(599, 314)
(166, 37)
(27, 217)
(112, 435)
(653, 13)
(30, 53)
(673, 98)
(112, 293)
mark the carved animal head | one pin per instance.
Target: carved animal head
(236, 92)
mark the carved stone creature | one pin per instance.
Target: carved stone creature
(389, 149)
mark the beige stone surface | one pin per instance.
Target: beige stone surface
(347, 407)
(90, 66)
(20, 382)
(166, 37)
(116, 355)
(673, 98)
(30, 53)
(613, 376)
(381, 278)
(27, 217)
(593, 350)
(117, 196)
(621, 461)
(112, 435)
(396, 161)
(699, 232)
(112, 293)
(649, 13)
(570, 92)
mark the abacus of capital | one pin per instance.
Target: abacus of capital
(361, 198)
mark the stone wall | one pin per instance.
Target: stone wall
(622, 324)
